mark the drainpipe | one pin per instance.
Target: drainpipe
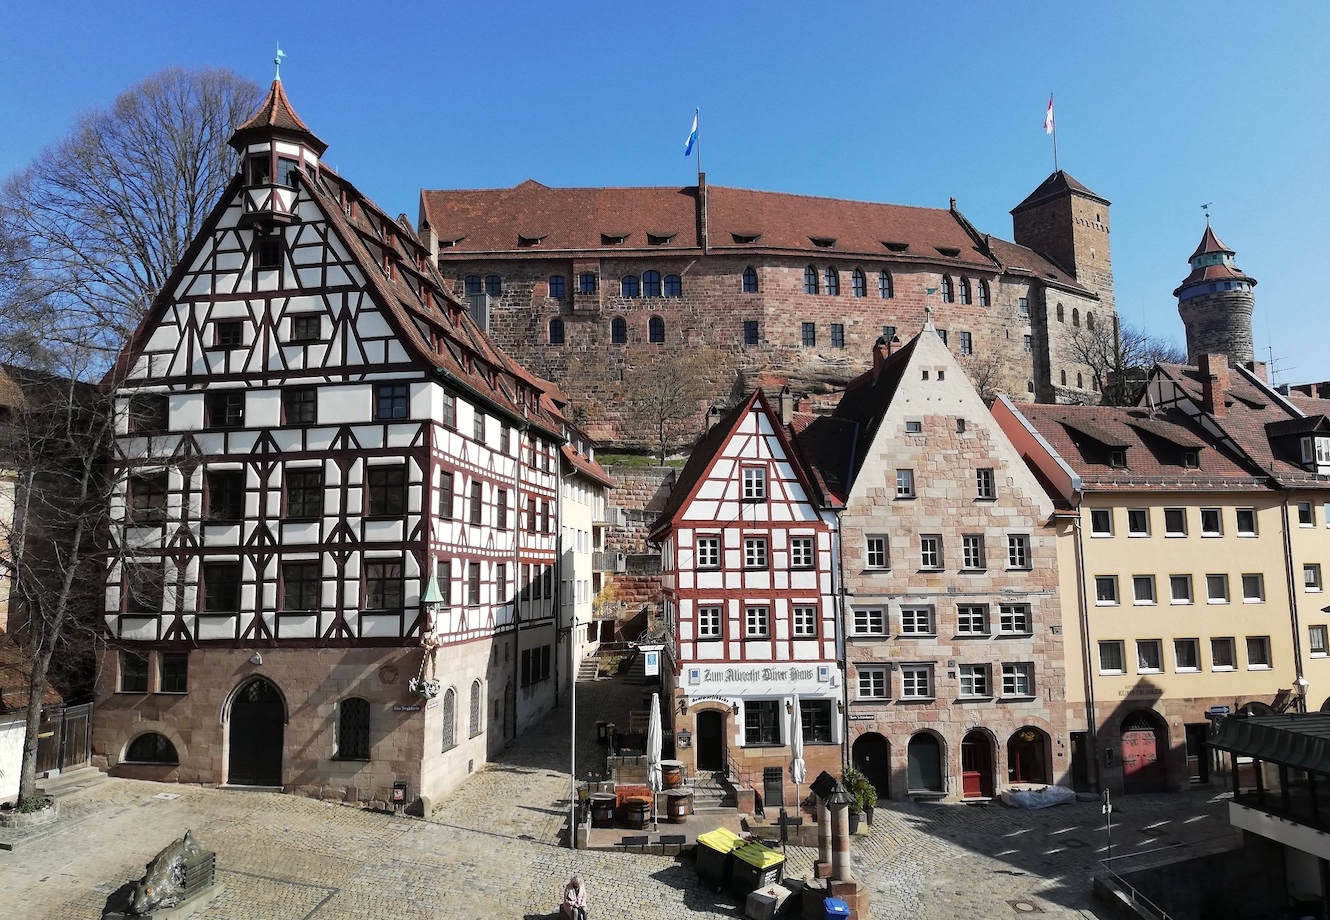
(838, 592)
(1299, 681)
(1087, 658)
(517, 569)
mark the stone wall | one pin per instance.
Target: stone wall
(1219, 324)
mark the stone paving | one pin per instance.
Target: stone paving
(494, 849)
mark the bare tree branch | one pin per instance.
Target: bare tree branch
(1119, 361)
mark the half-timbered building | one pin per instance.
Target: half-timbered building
(335, 522)
(749, 608)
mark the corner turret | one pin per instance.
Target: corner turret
(274, 147)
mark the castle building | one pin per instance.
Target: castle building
(336, 516)
(1216, 303)
(585, 285)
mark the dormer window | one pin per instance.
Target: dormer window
(1191, 459)
(1316, 452)
(1117, 459)
(260, 170)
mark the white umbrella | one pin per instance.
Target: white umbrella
(653, 752)
(798, 772)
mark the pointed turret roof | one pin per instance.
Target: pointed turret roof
(1223, 270)
(1056, 185)
(1210, 243)
(275, 116)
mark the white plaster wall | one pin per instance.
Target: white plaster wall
(11, 755)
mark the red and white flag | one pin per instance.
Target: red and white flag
(1048, 116)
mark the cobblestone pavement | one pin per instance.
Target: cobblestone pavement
(493, 849)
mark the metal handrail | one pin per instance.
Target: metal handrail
(1136, 897)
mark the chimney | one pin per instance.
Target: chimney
(1260, 370)
(786, 405)
(713, 416)
(1214, 383)
(702, 228)
(881, 351)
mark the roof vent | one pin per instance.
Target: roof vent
(950, 252)
(449, 244)
(530, 239)
(613, 239)
(823, 242)
(660, 239)
(746, 237)
(896, 247)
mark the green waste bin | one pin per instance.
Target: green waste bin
(715, 861)
(755, 866)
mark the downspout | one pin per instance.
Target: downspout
(1299, 681)
(1087, 659)
(517, 569)
(838, 592)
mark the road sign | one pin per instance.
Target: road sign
(1220, 710)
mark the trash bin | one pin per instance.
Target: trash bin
(755, 866)
(835, 909)
(671, 773)
(679, 805)
(715, 860)
(602, 809)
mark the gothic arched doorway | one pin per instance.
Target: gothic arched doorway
(871, 756)
(1027, 757)
(1143, 747)
(977, 766)
(256, 732)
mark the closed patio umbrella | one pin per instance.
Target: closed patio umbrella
(798, 771)
(653, 753)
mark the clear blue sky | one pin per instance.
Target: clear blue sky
(1160, 108)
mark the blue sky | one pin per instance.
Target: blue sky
(1161, 108)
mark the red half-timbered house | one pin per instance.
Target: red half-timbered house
(335, 528)
(747, 559)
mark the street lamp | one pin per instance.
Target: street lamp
(1300, 686)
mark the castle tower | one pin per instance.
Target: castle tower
(1067, 223)
(1216, 303)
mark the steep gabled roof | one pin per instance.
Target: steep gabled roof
(1055, 186)
(867, 398)
(276, 116)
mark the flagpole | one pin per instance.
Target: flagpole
(1053, 123)
(697, 114)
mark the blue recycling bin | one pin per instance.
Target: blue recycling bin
(835, 908)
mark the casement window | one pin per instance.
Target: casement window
(972, 551)
(941, 334)
(755, 552)
(225, 409)
(751, 334)
(476, 510)
(1018, 679)
(1015, 619)
(173, 672)
(1186, 655)
(1106, 590)
(143, 586)
(804, 620)
(260, 169)
(1111, 657)
(917, 621)
(1253, 588)
(905, 483)
(1258, 653)
(225, 495)
(383, 584)
(149, 413)
(914, 426)
(965, 290)
(833, 282)
(618, 331)
(505, 439)
(306, 328)
(876, 555)
(1138, 522)
(501, 509)
(1101, 522)
(443, 577)
(477, 707)
(1316, 641)
(757, 622)
(586, 283)
(1149, 656)
(656, 330)
(501, 594)
(445, 496)
(1216, 589)
(1018, 551)
(1179, 587)
(147, 494)
(352, 729)
(557, 332)
(531, 515)
(448, 411)
(546, 519)
(1027, 342)
(947, 295)
(808, 334)
(801, 552)
(708, 552)
(873, 683)
(473, 584)
(869, 621)
(917, 682)
(966, 343)
(1306, 515)
(478, 426)
(815, 721)
(221, 587)
(1311, 576)
(1023, 306)
(133, 672)
(1246, 522)
(985, 485)
(858, 283)
(558, 287)
(755, 483)
(1212, 522)
(974, 680)
(302, 586)
(391, 401)
(972, 619)
(385, 491)
(709, 623)
(300, 406)
(930, 551)
(651, 283)
(228, 333)
(837, 335)
(750, 280)
(630, 287)
(762, 721)
(1175, 522)
(983, 293)
(1143, 589)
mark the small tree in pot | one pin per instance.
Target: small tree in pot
(864, 796)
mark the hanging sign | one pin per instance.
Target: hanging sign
(651, 663)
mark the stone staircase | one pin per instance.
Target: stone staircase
(66, 784)
(712, 794)
(588, 668)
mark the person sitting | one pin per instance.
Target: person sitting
(574, 899)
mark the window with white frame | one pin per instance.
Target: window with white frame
(1311, 576)
(1111, 657)
(1316, 641)
(804, 622)
(755, 552)
(1018, 551)
(708, 623)
(916, 681)
(1018, 679)
(801, 552)
(1253, 588)
(1223, 656)
(708, 552)
(914, 426)
(1216, 589)
(974, 680)
(755, 483)
(972, 619)
(1258, 653)
(930, 551)
(1175, 522)
(869, 621)
(1015, 619)
(1101, 522)
(985, 486)
(1212, 522)
(1106, 590)
(757, 622)
(972, 551)
(1186, 655)
(1246, 522)
(762, 721)
(905, 483)
(872, 683)
(876, 553)
(1143, 589)
(1149, 656)
(1179, 587)
(1138, 522)
(917, 621)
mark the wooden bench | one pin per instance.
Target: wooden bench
(639, 842)
(672, 840)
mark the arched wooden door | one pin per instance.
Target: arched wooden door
(924, 767)
(1027, 757)
(1143, 748)
(256, 733)
(976, 766)
(710, 740)
(871, 756)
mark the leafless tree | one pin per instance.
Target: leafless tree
(987, 372)
(107, 211)
(1120, 356)
(662, 397)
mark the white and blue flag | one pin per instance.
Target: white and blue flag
(692, 137)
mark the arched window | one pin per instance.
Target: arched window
(750, 280)
(556, 331)
(150, 747)
(557, 287)
(472, 284)
(858, 283)
(476, 708)
(965, 290)
(1089, 320)
(1080, 382)
(885, 289)
(947, 296)
(983, 293)
(618, 331)
(1059, 312)
(628, 286)
(656, 330)
(833, 282)
(1064, 378)
(673, 286)
(810, 280)
(1029, 386)
(449, 717)
(651, 283)
(353, 729)
(1075, 316)
(494, 285)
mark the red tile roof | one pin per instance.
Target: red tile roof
(1210, 243)
(1055, 186)
(276, 115)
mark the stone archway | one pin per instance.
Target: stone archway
(1027, 757)
(256, 735)
(924, 763)
(977, 765)
(1144, 744)
(871, 756)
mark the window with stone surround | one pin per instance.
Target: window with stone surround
(972, 619)
(656, 330)
(983, 293)
(869, 621)
(972, 551)
(1018, 551)
(905, 483)
(133, 672)
(947, 295)
(1111, 657)
(650, 283)
(886, 289)
(858, 283)
(556, 331)
(477, 707)
(810, 280)
(449, 719)
(750, 280)
(838, 338)
(586, 283)
(917, 621)
(916, 681)
(1015, 619)
(833, 282)
(1018, 679)
(808, 334)
(352, 729)
(974, 680)
(557, 287)
(965, 290)
(873, 683)
(930, 551)
(876, 555)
